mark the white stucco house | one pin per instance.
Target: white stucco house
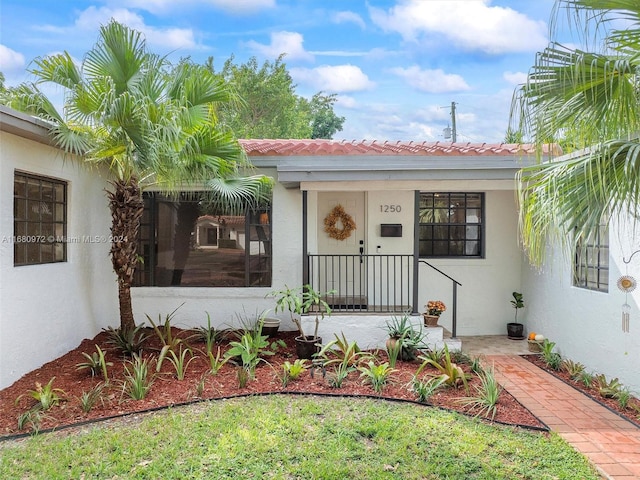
(433, 221)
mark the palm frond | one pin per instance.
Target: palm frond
(59, 69)
(568, 200)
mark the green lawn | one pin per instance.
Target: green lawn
(289, 437)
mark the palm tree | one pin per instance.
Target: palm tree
(589, 98)
(150, 123)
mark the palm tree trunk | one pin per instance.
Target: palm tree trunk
(127, 206)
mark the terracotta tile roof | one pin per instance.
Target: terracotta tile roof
(268, 147)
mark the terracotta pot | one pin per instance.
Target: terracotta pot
(307, 346)
(430, 320)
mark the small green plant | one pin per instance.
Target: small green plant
(343, 360)
(127, 340)
(623, 396)
(243, 374)
(573, 369)
(586, 379)
(412, 339)
(292, 371)
(607, 388)
(32, 418)
(393, 351)
(424, 389)
(460, 357)
(251, 347)
(376, 375)
(88, 399)
(339, 374)
(164, 332)
(476, 366)
(180, 362)
(517, 303)
(552, 359)
(434, 354)
(201, 384)
(209, 335)
(96, 362)
(485, 400)
(453, 375)
(137, 380)
(341, 350)
(216, 362)
(46, 395)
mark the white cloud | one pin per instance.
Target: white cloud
(283, 42)
(471, 25)
(346, 101)
(174, 38)
(338, 78)
(10, 60)
(431, 81)
(230, 6)
(515, 78)
(349, 17)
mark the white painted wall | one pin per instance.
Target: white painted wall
(47, 310)
(483, 298)
(228, 306)
(584, 324)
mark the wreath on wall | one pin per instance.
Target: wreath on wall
(330, 221)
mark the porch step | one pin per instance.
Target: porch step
(437, 337)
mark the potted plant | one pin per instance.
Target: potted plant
(434, 308)
(270, 325)
(300, 301)
(515, 329)
(404, 339)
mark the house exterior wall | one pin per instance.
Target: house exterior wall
(585, 324)
(46, 310)
(487, 283)
(229, 306)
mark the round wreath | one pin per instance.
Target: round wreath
(348, 225)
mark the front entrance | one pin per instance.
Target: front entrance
(345, 271)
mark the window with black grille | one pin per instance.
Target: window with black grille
(451, 224)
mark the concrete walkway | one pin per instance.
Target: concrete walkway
(610, 442)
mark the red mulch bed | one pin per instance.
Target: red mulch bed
(631, 413)
(167, 390)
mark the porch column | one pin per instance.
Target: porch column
(416, 250)
(305, 250)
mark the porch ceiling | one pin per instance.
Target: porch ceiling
(294, 170)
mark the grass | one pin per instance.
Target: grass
(286, 437)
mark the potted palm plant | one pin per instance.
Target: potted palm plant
(298, 302)
(515, 329)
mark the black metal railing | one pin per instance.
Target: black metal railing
(454, 306)
(363, 283)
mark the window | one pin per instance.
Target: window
(591, 264)
(451, 224)
(187, 241)
(40, 220)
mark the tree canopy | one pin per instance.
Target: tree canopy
(267, 106)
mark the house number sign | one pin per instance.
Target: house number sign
(390, 208)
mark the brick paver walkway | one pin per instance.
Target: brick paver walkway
(610, 442)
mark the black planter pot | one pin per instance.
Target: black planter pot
(307, 346)
(515, 331)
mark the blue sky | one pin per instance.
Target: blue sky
(396, 66)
